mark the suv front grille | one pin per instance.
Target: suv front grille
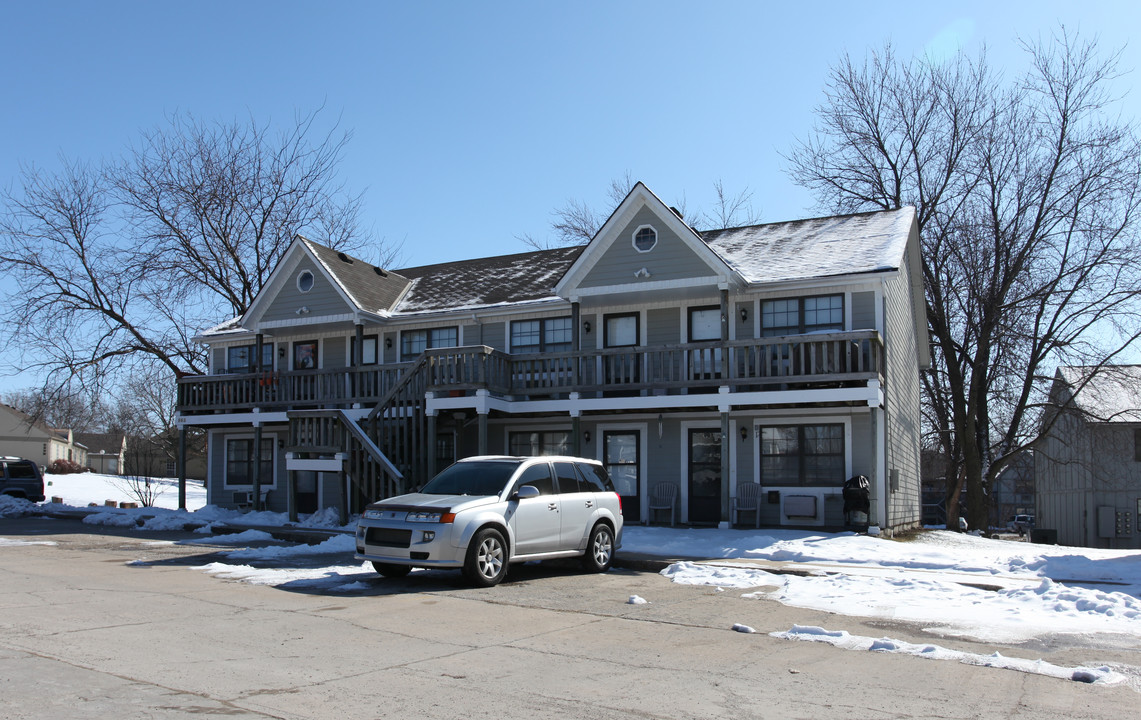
(388, 537)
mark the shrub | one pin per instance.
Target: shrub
(64, 467)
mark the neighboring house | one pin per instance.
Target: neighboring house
(156, 456)
(105, 451)
(785, 354)
(21, 435)
(1088, 465)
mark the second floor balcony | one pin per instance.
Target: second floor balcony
(802, 361)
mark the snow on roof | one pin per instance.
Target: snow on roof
(817, 247)
(1109, 394)
(485, 282)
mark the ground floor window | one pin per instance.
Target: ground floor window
(807, 455)
(547, 442)
(240, 461)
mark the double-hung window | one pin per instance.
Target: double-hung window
(240, 461)
(414, 342)
(541, 335)
(802, 455)
(796, 316)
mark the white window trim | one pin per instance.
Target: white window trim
(227, 487)
(312, 283)
(634, 238)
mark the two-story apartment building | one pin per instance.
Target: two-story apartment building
(784, 354)
(1088, 463)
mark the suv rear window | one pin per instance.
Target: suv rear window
(22, 470)
(595, 477)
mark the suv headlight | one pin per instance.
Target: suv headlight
(430, 516)
(372, 514)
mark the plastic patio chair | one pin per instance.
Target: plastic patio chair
(747, 499)
(663, 496)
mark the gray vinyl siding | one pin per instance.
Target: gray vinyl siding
(670, 259)
(589, 338)
(218, 360)
(663, 326)
(1072, 488)
(863, 310)
(1062, 481)
(491, 334)
(902, 398)
(323, 299)
(744, 327)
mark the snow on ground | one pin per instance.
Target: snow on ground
(952, 584)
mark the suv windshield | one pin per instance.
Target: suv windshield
(472, 478)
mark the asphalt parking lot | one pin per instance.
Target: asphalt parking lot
(98, 622)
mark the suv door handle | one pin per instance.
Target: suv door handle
(590, 503)
(552, 506)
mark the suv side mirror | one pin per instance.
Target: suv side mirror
(525, 492)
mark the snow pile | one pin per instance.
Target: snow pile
(841, 639)
(15, 507)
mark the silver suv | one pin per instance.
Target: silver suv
(21, 478)
(483, 513)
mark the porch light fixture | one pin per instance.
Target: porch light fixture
(744, 433)
(281, 352)
(388, 343)
(586, 436)
(744, 314)
(586, 326)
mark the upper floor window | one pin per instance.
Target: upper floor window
(645, 238)
(705, 323)
(543, 335)
(305, 281)
(795, 316)
(620, 330)
(240, 359)
(414, 342)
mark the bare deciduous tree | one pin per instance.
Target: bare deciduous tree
(126, 262)
(1027, 199)
(576, 223)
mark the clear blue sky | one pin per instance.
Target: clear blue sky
(473, 121)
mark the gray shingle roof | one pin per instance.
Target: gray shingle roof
(371, 288)
(483, 282)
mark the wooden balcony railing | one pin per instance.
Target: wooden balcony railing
(742, 365)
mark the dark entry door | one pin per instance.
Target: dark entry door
(620, 457)
(705, 476)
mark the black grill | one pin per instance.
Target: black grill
(387, 537)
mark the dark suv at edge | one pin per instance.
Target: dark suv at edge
(21, 478)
